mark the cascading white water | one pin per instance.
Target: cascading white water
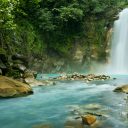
(119, 51)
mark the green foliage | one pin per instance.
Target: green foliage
(45, 20)
(2, 51)
(70, 13)
(6, 14)
(27, 40)
(31, 27)
(15, 73)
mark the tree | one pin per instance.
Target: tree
(7, 23)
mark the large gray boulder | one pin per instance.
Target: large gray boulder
(13, 88)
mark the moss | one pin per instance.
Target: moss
(13, 73)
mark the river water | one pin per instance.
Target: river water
(50, 104)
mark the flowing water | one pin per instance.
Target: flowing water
(50, 104)
(119, 51)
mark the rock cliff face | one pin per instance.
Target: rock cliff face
(91, 49)
(12, 88)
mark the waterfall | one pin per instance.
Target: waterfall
(119, 48)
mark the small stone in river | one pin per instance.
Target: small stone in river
(88, 119)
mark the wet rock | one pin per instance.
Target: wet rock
(29, 78)
(89, 115)
(123, 89)
(48, 82)
(12, 88)
(92, 109)
(88, 119)
(33, 82)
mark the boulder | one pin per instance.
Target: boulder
(123, 88)
(88, 119)
(13, 88)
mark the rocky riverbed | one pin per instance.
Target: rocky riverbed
(87, 78)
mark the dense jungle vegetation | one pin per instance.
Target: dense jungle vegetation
(38, 28)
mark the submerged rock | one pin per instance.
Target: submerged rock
(92, 106)
(43, 126)
(80, 122)
(88, 119)
(30, 79)
(33, 82)
(123, 89)
(74, 124)
(13, 88)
